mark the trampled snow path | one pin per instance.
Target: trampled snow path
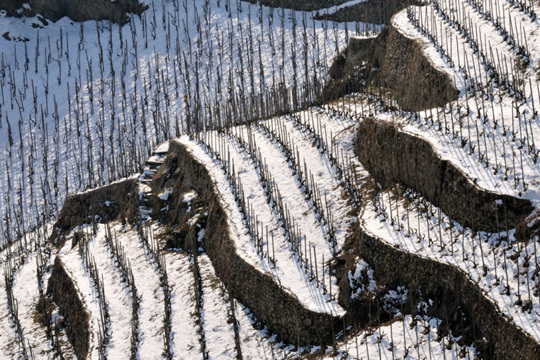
(150, 293)
(186, 338)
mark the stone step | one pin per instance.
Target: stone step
(162, 149)
(156, 160)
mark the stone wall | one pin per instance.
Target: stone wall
(393, 156)
(109, 202)
(76, 10)
(446, 283)
(64, 293)
(395, 63)
(276, 307)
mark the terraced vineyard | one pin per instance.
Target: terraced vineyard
(388, 211)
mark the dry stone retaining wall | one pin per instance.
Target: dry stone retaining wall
(107, 203)
(394, 156)
(276, 307)
(397, 64)
(64, 293)
(503, 339)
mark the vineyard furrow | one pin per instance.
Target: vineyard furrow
(151, 295)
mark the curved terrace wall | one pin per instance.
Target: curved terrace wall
(64, 293)
(394, 62)
(275, 306)
(446, 283)
(394, 156)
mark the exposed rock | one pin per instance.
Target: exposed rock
(189, 219)
(77, 10)
(394, 156)
(397, 64)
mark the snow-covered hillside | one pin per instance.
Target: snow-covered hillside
(82, 103)
(249, 174)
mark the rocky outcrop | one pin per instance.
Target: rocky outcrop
(453, 292)
(394, 156)
(77, 10)
(64, 293)
(395, 63)
(275, 306)
(116, 201)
